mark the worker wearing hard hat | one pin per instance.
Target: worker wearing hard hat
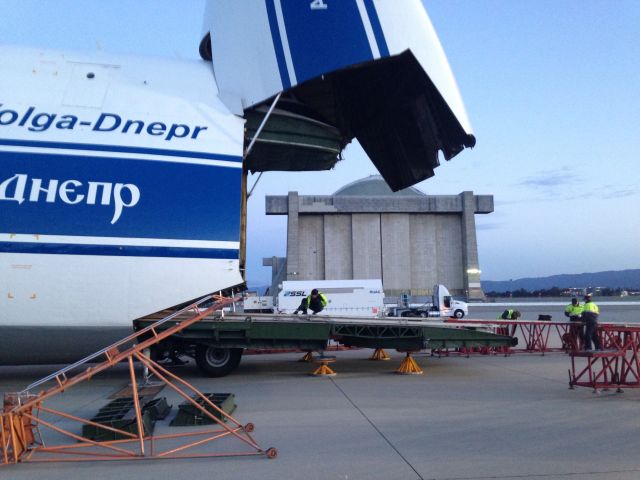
(590, 314)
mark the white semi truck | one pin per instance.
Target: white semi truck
(360, 298)
(442, 305)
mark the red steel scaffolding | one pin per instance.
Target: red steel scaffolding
(534, 336)
(615, 366)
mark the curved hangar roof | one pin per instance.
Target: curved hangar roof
(375, 186)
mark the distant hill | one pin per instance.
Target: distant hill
(610, 279)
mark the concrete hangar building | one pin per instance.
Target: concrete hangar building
(410, 240)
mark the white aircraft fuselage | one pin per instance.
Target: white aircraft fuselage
(119, 195)
(121, 176)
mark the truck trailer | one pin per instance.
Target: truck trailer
(354, 298)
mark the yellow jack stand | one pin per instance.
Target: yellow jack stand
(379, 354)
(308, 357)
(409, 366)
(324, 370)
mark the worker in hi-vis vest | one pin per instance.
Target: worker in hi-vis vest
(590, 314)
(509, 314)
(314, 302)
(574, 312)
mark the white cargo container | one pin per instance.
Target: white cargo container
(356, 298)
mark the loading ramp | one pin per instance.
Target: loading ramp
(235, 332)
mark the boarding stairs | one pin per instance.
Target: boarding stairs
(25, 419)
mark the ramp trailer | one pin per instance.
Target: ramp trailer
(217, 342)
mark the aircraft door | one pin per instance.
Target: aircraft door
(339, 62)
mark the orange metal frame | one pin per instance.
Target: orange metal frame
(21, 427)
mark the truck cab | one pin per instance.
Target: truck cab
(442, 305)
(447, 306)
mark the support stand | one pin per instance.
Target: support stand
(379, 354)
(324, 370)
(308, 357)
(409, 365)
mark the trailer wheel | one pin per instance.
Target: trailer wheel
(271, 452)
(458, 314)
(217, 362)
(423, 314)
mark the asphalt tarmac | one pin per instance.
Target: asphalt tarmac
(483, 417)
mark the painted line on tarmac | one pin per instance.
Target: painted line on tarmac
(376, 428)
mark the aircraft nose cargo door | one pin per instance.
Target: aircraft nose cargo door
(365, 69)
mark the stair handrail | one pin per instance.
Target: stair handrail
(120, 342)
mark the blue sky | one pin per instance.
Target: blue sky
(551, 88)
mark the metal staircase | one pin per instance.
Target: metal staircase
(23, 430)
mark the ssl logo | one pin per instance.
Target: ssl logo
(295, 293)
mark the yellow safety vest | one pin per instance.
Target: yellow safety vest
(323, 299)
(591, 307)
(574, 310)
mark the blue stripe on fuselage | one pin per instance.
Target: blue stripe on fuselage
(176, 200)
(277, 44)
(117, 250)
(324, 40)
(377, 28)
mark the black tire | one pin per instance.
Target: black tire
(217, 362)
(423, 314)
(458, 314)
